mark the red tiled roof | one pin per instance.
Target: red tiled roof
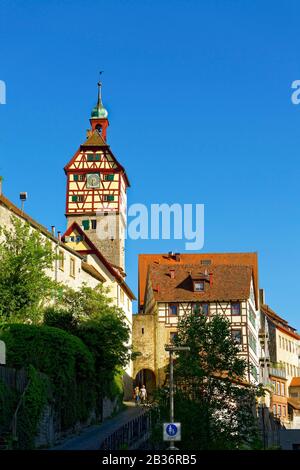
(101, 257)
(223, 283)
(295, 382)
(279, 322)
(241, 259)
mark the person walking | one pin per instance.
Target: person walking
(136, 395)
(143, 395)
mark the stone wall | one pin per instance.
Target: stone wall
(143, 338)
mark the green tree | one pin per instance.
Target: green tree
(90, 314)
(211, 387)
(25, 255)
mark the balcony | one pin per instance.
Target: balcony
(277, 370)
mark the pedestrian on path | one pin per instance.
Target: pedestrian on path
(136, 395)
(143, 395)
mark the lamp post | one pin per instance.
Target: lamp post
(173, 349)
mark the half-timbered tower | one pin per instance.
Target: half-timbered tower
(96, 190)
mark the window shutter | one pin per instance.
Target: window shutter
(111, 197)
(75, 177)
(86, 224)
(74, 198)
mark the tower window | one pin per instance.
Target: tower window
(108, 197)
(86, 224)
(93, 157)
(109, 177)
(79, 177)
(94, 224)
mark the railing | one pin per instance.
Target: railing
(130, 434)
(14, 422)
(277, 371)
(14, 378)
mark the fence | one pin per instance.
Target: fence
(130, 435)
(13, 378)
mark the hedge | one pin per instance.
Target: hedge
(30, 412)
(64, 358)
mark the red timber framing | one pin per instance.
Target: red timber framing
(93, 250)
(98, 160)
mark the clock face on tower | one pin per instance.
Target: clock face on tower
(93, 180)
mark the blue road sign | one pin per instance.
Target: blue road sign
(172, 431)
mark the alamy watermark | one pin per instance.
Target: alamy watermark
(2, 92)
(159, 222)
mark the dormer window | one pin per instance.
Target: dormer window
(198, 286)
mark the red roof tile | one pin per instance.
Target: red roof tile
(223, 282)
(295, 382)
(241, 259)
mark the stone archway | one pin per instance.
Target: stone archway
(146, 377)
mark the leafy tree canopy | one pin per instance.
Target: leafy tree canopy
(211, 386)
(25, 256)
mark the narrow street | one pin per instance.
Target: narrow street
(91, 438)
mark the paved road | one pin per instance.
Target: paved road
(91, 438)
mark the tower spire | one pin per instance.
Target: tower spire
(99, 112)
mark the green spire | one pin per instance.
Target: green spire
(99, 111)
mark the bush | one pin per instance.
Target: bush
(63, 358)
(33, 403)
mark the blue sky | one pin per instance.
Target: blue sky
(199, 100)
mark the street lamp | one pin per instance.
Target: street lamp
(173, 349)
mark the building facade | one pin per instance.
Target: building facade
(173, 287)
(279, 361)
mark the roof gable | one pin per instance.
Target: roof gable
(91, 248)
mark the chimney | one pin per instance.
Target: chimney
(53, 230)
(1, 185)
(171, 253)
(172, 273)
(262, 298)
(177, 256)
(59, 235)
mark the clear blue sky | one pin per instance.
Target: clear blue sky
(200, 112)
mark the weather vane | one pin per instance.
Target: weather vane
(100, 73)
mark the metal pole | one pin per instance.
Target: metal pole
(172, 446)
